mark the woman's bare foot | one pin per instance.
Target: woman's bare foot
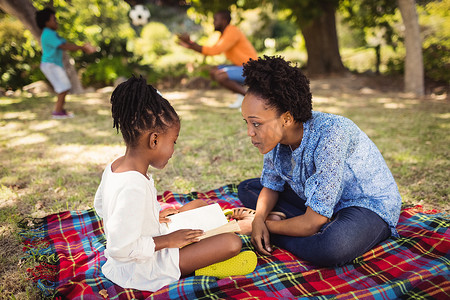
(242, 213)
(245, 216)
(246, 226)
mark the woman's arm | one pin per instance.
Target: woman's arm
(303, 225)
(260, 233)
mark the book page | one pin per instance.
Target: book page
(205, 218)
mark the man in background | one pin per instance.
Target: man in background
(236, 47)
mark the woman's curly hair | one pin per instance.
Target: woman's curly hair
(283, 86)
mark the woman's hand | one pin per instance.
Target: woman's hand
(260, 236)
(167, 212)
(183, 237)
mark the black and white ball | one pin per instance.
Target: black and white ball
(139, 15)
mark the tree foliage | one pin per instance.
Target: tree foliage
(375, 17)
(275, 24)
(19, 56)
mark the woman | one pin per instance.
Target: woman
(320, 170)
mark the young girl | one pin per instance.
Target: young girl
(140, 253)
(320, 170)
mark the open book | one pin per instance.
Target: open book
(209, 218)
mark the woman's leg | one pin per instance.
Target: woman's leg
(351, 232)
(288, 201)
(209, 251)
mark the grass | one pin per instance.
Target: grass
(49, 165)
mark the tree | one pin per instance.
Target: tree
(414, 70)
(25, 12)
(319, 30)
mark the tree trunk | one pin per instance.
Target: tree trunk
(322, 44)
(25, 12)
(414, 70)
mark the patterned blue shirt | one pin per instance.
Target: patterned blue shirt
(336, 166)
(50, 41)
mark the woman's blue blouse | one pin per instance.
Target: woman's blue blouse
(336, 166)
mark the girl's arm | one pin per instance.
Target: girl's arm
(303, 225)
(260, 233)
(177, 239)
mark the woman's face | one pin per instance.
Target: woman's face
(264, 125)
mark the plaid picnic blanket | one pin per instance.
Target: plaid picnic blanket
(69, 248)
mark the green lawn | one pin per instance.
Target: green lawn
(54, 165)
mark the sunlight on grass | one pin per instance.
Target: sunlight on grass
(22, 115)
(82, 154)
(8, 101)
(394, 105)
(7, 196)
(176, 95)
(34, 138)
(406, 157)
(442, 116)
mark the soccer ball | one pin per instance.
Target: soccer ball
(139, 15)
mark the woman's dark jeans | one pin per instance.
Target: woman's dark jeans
(351, 232)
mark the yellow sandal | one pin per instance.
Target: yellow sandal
(241, 264)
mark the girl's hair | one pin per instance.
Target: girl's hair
(42, 16)
(282, 86)
(138, 107)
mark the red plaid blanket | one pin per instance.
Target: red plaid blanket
(69, 248)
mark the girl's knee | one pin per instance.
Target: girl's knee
(233, 242)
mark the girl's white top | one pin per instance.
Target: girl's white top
(130, 211)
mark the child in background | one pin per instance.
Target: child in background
(52, 59)
(140, 252)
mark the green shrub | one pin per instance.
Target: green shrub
(19, 59)
(106, 70)
(436, 60)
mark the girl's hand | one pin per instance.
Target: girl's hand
(260, 236)
(183, 237)
(167, 212)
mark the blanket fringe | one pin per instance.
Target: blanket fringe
(435, 212)
(39, 250)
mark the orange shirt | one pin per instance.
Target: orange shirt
(234, 44)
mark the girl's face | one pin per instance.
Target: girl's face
(264, 125)
(165, 147)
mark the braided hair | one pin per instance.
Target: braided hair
(282, 86)
(137, 107)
